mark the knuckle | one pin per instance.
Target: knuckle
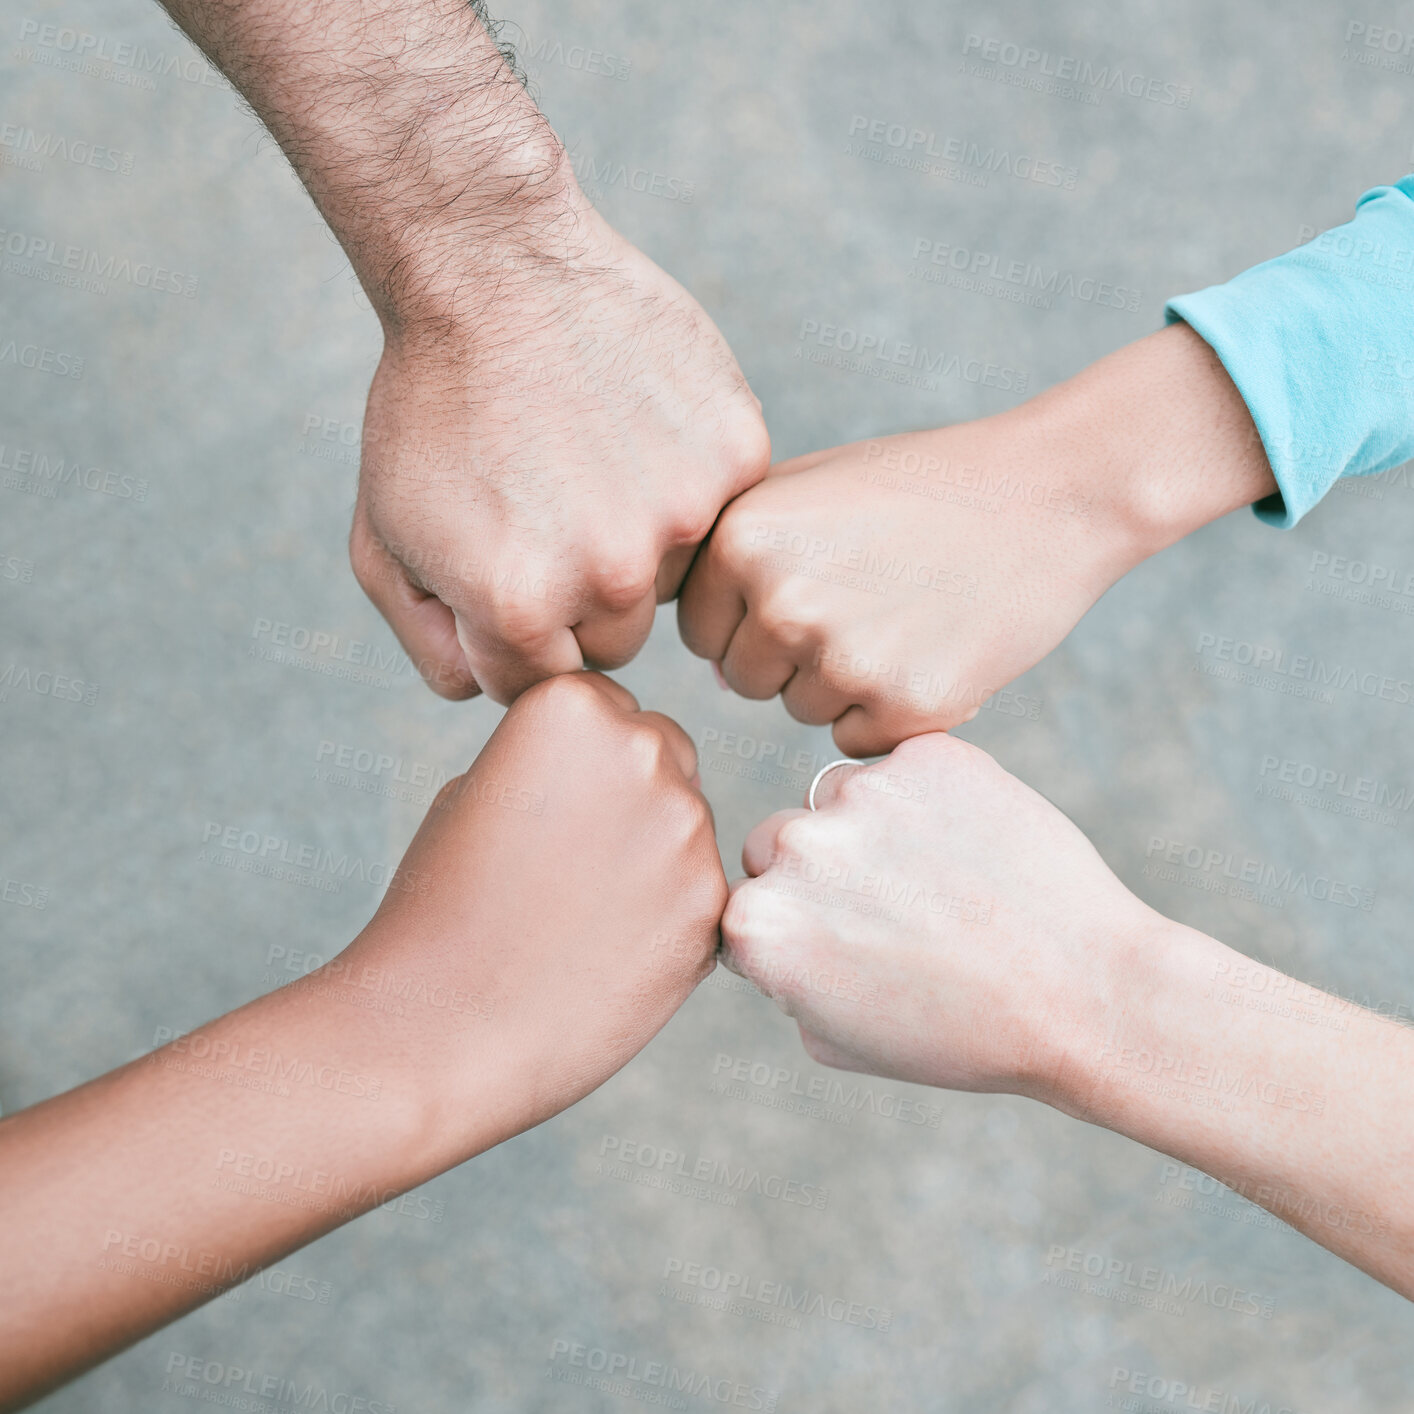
(621, 580)
(646, 750)
(566, 695)
(691, 523)
(785, 617)
(747, 445)
(363, 554)
(739, 531)
(798, 837)
(518, 621)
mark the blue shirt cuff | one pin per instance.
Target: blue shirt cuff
(1320, 343)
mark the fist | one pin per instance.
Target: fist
(934, 921)
(872, 590)
(532, 488)
(568, 889)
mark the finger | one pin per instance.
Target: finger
(711, 604)
(809, 698)
(673, 570)
(865, 731)
(818, 1048)
(829, 786)
(684, 753)
(760, 850)
(724, 949)
(617, 694)
(755, 664)
(505, 668)
(608, 638)
(424, 625)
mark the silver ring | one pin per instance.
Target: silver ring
(825, 771)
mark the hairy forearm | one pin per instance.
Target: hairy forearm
(138, 1196)
(417, 141)
(1298, 1107)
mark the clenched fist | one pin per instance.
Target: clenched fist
(890, 587)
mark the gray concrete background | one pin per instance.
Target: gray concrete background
(206, 405)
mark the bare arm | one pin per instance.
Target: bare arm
(136, 1197)
(554, 423)
(1003, 955)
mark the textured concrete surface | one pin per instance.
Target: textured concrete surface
(222, 424)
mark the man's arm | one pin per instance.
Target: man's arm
(417, 141)
(554, 423)
(998, 953)
(459, 1017)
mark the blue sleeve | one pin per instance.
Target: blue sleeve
(1320, 343)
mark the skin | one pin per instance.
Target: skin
(875, 587)
(986, 946)
(557, 906)
(554, 422)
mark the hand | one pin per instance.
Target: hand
(557, 905)
(568, 889)
(936, 921)
(890, 587)
(535, 479)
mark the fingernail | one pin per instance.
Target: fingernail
(717, 673)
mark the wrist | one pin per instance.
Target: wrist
(1162, 440)
(454, 276)
(1138, 1008)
